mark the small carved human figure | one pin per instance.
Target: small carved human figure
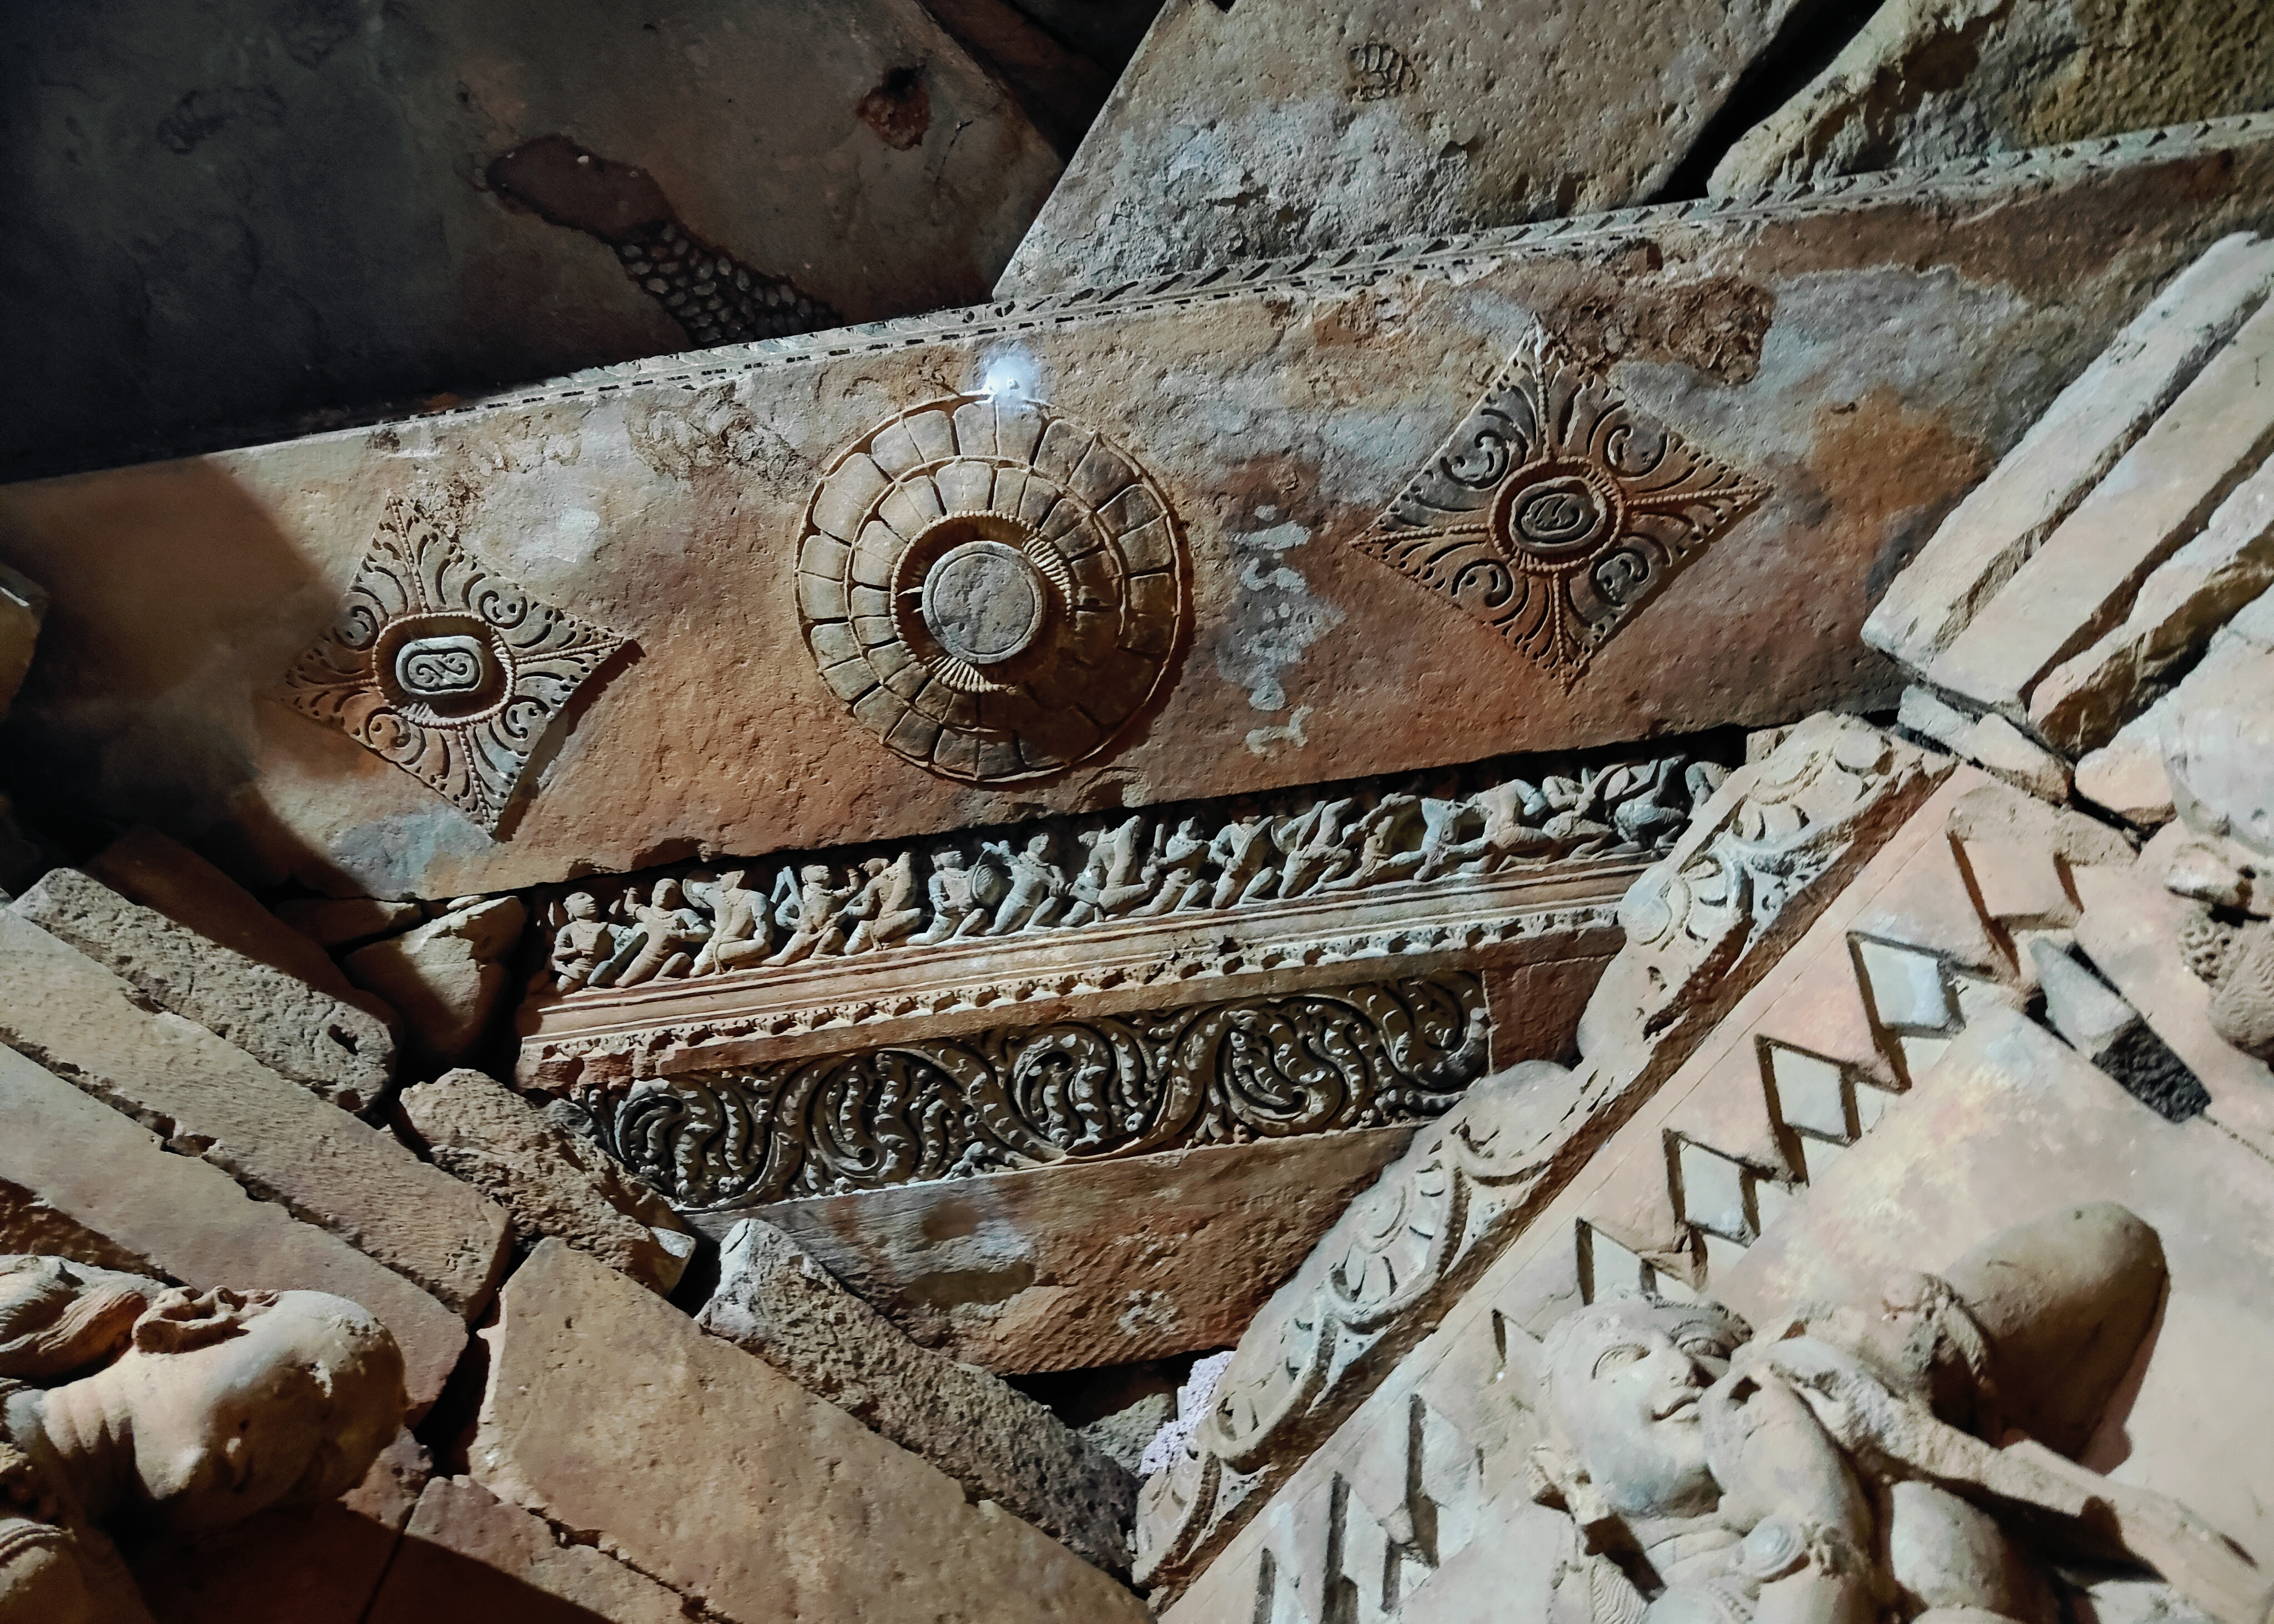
(1112, 879)
(1508, 815)
(741, 926)
(1037, 884)
(1317, 847)
(882, 906)
(958, 906)
(1177, 869)
(671, 933)
(1835, 1469)
(820, 929)
(126, 1402)
(1383, 853)
(583, 945)
(1648, 801)
(1246, 862)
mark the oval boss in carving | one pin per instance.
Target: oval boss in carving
(993, 589)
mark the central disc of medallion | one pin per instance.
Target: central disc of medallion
(985, 601)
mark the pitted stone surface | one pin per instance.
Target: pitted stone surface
(707, 1468)
(776, 1302)
(342, 1053)
(211, 1099)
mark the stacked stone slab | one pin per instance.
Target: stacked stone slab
(2132, 521)
(774, 1301)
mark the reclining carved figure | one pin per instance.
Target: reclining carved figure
(128, 1405)
(1911, 1459)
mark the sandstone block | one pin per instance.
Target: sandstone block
(2157, 496)
(1036, 1270)
(774, 1301)
(2086, 698)
(467, 1554)
(1928, 81)
(2090, 425)
(1289, 131)
(446, 976)
(23, 604)
(348, 922)
(548, 1180)
(1995, 743)
(1751, 332)
(342, 1053)
(281, 1142)
(192, 1222)
(707, 1468)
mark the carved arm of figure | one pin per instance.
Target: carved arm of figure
(888, 915)
(1380, 858)
(1179, 862)
(668, 927)
(741, 929)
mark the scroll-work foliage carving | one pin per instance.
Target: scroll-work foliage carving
(441, 665)
(1086, 1090)
(992, 588)
(1556, 510)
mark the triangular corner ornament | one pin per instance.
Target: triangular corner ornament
(439, 663)
(1556, 510)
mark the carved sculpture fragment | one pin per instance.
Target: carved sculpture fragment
(1853, 1461)
(993, 589)
(2217, 762)
(126, 1401)
(1556, 510)
(441, 665)
(1106, 1086)
(1141, 865)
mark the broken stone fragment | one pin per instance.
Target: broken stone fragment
(106, 1175)
(549, 1182)
(446, 977)
(707, 1468)
(342, 1053)
(210, 1099)
(146, 867)
(23, 605)
(2090, 425)
(348, 922)
(774, 1301)
(467, 1554)
(1988, 741)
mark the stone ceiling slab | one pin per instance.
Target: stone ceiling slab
(1286, 127)
(1864, 353)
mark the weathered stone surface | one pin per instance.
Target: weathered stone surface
(31, 1223)
(548, 1180)
(2012, 1126)
(1990, 741)
(193, 1223)
(342, 1053)
(277, 1139)
(348, 922)
(446, 977)
(312, 1565)
(2090, 425)
(2086, 698)
(1038, 1270)
(705, 1468)
(1287, 131)
(2158, 496)
(1945, 310)
(467, 1554)
(1123, 1435)
(23, 605)
(1928, 81)
(146, 867)
(365, 249)
(2127, 775)
(774, 1301)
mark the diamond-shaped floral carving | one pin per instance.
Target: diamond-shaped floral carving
(1556, 510)
(442, 666)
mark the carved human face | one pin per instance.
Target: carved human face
(950, 860)
(291, 1408)
(1624, 1379)
(582, 905)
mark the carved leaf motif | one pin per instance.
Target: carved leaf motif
(1255, 1068)
(443, 667)
(1556, 510)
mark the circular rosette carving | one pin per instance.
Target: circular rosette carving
(994, 589)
